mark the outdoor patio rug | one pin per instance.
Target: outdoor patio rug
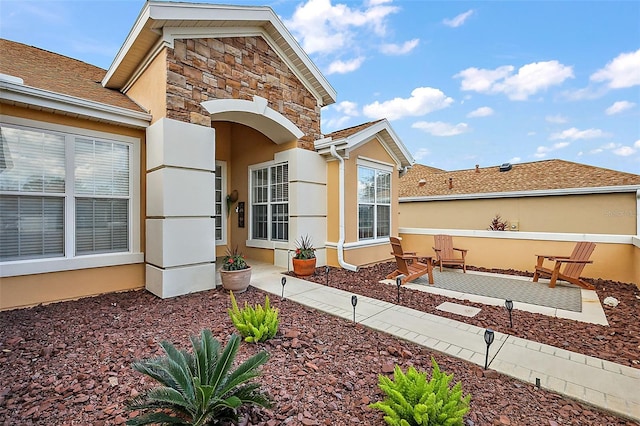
(566, 297)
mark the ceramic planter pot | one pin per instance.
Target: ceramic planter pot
(236, 281)
(304, 267)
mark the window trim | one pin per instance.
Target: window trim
(268, 243)
(376, 166)
(70, 261)
(225, 216)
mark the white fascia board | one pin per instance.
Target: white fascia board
(518, 194)
(357, 139)
(71, 105)
(519, 235)
(137, 28)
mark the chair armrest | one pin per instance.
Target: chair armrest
(552, 257)
(573, 261)
(436, 249)
(459, 249)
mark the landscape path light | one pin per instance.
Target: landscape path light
(326, 272)
(283, 281)
(354, 302)
(488, 339)
(399, 283)
(509, 305)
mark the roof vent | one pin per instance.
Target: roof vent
(505, 167)
(422, 182)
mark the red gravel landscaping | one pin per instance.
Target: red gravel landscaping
(70, 363)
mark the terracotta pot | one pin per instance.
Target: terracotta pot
(236, 281)
(304, 267)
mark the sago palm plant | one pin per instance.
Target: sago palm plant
(201, 388)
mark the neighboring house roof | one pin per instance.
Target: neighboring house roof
(55, 73)
(353, 137)
(161, 22)
(535, 177)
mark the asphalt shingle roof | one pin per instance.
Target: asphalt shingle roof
(60, 74)
(538, 175)
(345, 133)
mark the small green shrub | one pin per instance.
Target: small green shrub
(412, 400)
(199, 388)
(254, 324)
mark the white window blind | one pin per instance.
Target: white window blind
(374, 203)
(270, 203)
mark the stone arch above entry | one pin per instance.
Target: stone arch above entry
(255, 114)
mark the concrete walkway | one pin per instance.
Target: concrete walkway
(597, 382)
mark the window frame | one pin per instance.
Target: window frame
(71, 261)
(269, 242)
(223, 201)
(378, 168)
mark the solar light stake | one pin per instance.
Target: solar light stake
(283, 281)
(488, 339)
(354, 302)
(326, 271)
(538, 382)
(398, 283)
(509, 305)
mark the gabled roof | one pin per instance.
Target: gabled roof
(161, 22)
(535, 177)
(353, 137)
(55, 73)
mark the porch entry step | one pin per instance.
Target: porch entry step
(454, 308)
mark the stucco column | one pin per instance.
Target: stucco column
(180, 229)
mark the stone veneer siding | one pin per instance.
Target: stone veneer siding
(236, 68)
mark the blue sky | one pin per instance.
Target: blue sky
(462, 83)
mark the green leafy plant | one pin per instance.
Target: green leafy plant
(304, 248)
(199, 388)
(233, 260)
(254, 324)
(412, 400)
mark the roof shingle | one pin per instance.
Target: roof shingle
(538, 175)
(59, 74)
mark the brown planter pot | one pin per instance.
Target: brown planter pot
(236, 281)
(304, 267)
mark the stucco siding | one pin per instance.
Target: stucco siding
(149, 90)
(590, 213)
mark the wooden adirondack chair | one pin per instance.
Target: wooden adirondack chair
(407, 264)
(574, 266)
(445, 252)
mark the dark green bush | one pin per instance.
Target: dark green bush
(412, 400)
(201, 388)
(254, 324)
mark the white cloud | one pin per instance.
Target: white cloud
(335, 123)
(542, 151)
(624, 151)
(458, 20)
(637, 144)
(438, 128)
(348, 108)
(421, 153)
(532, 133)
(343, 67)
(529, 80)
(515, 160)
(397, 49)
(322, 27)
(481, 112)
(623, 71)
(619, 106)
(423, 100)
(574, 134)
(556, 119)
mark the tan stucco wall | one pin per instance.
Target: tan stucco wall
(333, 203)
(28, 290)
(150, 89)
(241, 146)
(590, 213)
(610, 261)
(56, 286)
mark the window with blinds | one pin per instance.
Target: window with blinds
(270, 203)
(54, 185)
(374, 203)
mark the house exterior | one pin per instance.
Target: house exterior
(203, 134)
(548, 206)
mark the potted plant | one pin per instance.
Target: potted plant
(235, 273)
(304, 262)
